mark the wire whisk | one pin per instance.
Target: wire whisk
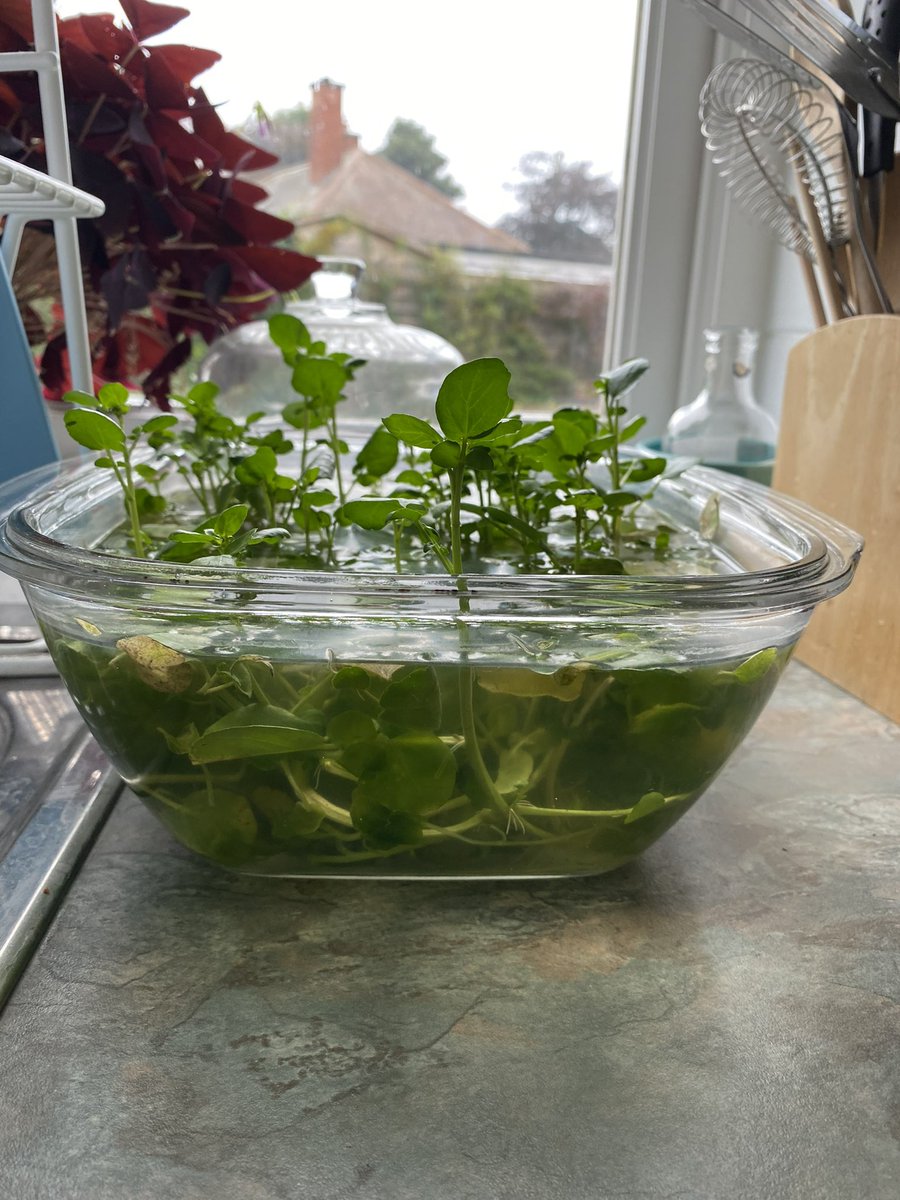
(781, 146)
(764, 130)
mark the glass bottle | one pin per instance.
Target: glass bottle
(725, 427)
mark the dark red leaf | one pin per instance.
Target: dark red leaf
(87, 122)
(128, 285)
(185, 62)
(233, 149)
(155, 225)
(16, 15)
(253, 224)
(148, 19)
(246, 193)
(8, 97)
(101, 177)
(183, 220)
(54, 371)
(164, 88)
(85, 74)
(217, 283)
(284, 270)
(156, 384)
(179, 143)
(98, 32)
(148, 155)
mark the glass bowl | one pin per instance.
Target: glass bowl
(405, 365)
(300, 723)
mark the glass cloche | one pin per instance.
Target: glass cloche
(404, 367)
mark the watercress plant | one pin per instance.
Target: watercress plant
(276, 750)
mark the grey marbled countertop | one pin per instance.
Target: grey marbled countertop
(720, 1021)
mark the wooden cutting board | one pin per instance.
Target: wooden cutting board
(839, 450)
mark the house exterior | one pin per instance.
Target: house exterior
(346, 202)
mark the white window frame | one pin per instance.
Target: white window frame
(686, 257)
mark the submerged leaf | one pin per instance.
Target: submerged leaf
(755, 667)
(565, 684)
(253, 731)
(514, 771)
(412, 699)
(649, 803)
(159, 666)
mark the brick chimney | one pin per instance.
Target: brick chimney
(329, 140)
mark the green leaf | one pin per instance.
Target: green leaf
(191, 537)
(412, 699)
(415, 774)
(82, 399)
(355, 678)
(650, 802)
(159, 666)
(508, 522)
(619, 500)
(288, 819)
(351, 726)
(369, 514)
(414, 478)
(378, 455)
(507, 432)
(565, 684)
(632, 429)
(445, 454)
(646, 468)
(384, 828)
(155, 424)
(574, 427)
(94, 430)
(623, 378)
(230, 520)
(252, 731)
(288, 333)
(113, 397)
(203, 394)
(259, 467)
(514, 771)
(319, 378)
(224, 830)
(756, 666)
(478, 459)
(412, 431)
(473, 399)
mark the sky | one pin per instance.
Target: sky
(489, 79)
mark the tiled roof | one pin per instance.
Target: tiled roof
(383, 198)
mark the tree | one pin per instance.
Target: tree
(183, 248)
(284, 133)
(411, 147)
(490, 317)
(565, 211)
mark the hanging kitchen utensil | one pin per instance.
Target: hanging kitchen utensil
(849, 56)
(881, 20)
(762, 127)
(755, 132)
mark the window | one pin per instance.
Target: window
(516, 122)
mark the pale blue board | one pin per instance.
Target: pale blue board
(25, 438)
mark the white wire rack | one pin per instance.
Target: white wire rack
(29, 195)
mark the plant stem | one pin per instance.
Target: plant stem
(127, 486)
(336, 451)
